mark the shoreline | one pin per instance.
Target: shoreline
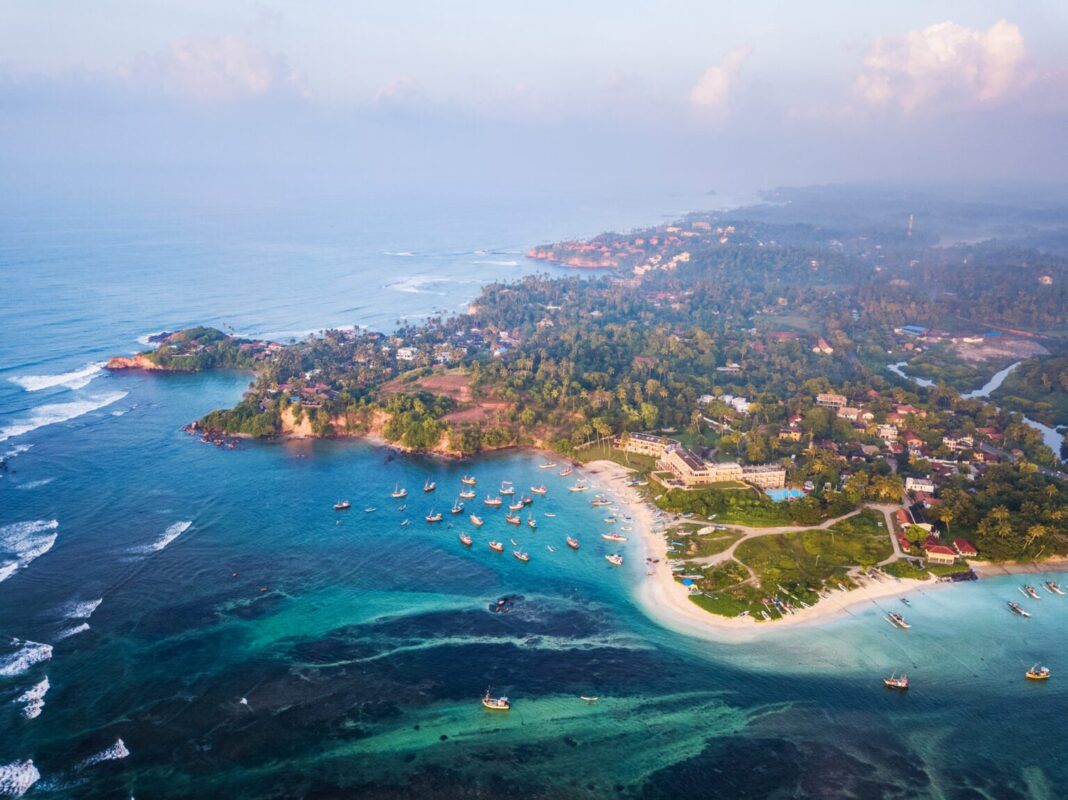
(666, 601)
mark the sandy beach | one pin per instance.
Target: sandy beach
(665, 600)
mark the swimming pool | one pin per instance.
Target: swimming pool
(778, 495)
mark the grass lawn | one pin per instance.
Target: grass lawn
(694, 546)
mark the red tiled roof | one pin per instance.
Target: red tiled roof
(964, 547)
(940, 549)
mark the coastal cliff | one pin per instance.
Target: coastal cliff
(139, 361)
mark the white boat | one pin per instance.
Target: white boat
(547, 465)
(615, 559)
(399, 492)
(495, 703)
(613, 537)
(468, 480)
(578, 487)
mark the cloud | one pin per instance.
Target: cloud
(947, 64)
(216, 69)
(711, 96)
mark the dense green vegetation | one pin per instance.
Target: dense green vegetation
(1039, 389)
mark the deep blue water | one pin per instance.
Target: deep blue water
(207, 576)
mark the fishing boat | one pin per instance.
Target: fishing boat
(1054, 588)
(513, 520)
(521, 556)
(496, 547)
(1029, 591)
(905, 600)
(515, 506)
(550, 548)
(533, 523)
(506, 490)
(896, 619)
(476, 520)
(566, 471)
(528, 500)
(548, 465)
(572, 543)
(468, 480)
(429, 486)
(600, 500)
(495, 703)
(342, 505)
(494, 502)
(369, 509)
(551, 516)
(514, 542)
(402, 507)
(399, 492)
(466, 540)
(610, 520)
(1017, 609)
(613, 537)
(615, 559)
(578, 487)
(457, 507)
(1038, 673)
(538, 489)
(895, 682)
(586, 699)
(467, 494)
(433, 516)
(405, 523)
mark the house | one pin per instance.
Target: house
(940, 554)
(406, 353)
(958, 443)
(901, 517)
(888, 433)
(904, 543)
(965, 548)
(919, 485)
(912, 441)
(789, 435)
(829, 400)
(846, 412)
(645, 444)
(822, 347)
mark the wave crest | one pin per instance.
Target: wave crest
(76, 379)
(33, 699)
(54, 413)
(168, 536)
(22, 542)
(113, 753)
(28, 654)
(17, 777)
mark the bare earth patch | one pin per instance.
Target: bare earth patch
(998, 348)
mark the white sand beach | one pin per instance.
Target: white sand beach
(665, 600)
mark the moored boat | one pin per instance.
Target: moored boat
(550, 548)
(513, 519)
(1017, 609)
(466, 540)
(496, 547)
(1054, 587)
(613, 537)
(515, 506)
(600, 500)
(476, 520)
(342, 505)
(468, 480)
(615, 559)
(578, 487)
(433, 516)
(538, 489)
(533, 523)
(905, 600)
(399, 492)
(896, 682)
(1038, 673)
(467, 494)
(1029, 591)
(898, 620)
(495, 703)
(429, 486)
(521, 556)
(457, 507)
(572, 543)
(566, 471)
(547, 465)
(494, 502)
(506, 491)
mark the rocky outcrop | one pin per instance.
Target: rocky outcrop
(140, 361)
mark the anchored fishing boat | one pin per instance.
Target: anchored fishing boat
(496, 547)
(494, 502)
(615, 559)
(538, 489)
(466, 540)
(1029, 591)
(896, 682)
(1054, 588)
(572, 543)
(467, 494)
(513, 519)
(515, 506)
(506, 490)
(495, 703)
(521, 556)
(429, 486)
(433, 516)
(548, 465)
(476, 520)
(600, 500)
(1017, 609)
(613, 537)
(342, 505)
(399, 492)
(896, 619)
(580, 486)
(1038, 673)
(457, 507)
(468, 480)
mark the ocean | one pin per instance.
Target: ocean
(182, 620)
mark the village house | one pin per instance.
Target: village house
(849, 413)
(406, 353)
(964, 548)
(830, 400)
(919, 485)
(789, 434)
(958, 443)
(888, 433)
(940, 554)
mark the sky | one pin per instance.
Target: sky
(313, 97)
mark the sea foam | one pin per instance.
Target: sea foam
(165, 538)
(54, 413)
(77, 379)
(17, 777)
(113, 753)
(34, 484)
(33, 699)
(28, 654)
(72, 631)
(81, 609)
(22, 542)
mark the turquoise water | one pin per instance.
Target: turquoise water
(779, 495)
(206, 576)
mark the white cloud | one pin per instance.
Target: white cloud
(711, 96)
(214, 70)
(945, 63)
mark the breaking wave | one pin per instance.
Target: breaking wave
(22, 542)
(498, 263)
(77, 379)
(28, 654)
(168, 536)
(400, 254)
(54, 413)
(81, 609)
(33, 699)
(72, 631)
(416, 285)
(35, 484)
(17, 777)
(113, 753)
